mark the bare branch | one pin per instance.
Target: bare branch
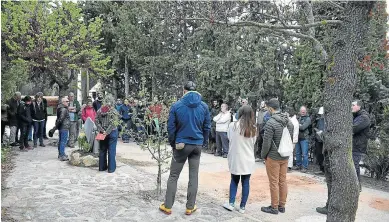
(334, 4)
(267, 15)
(270, 26)
(307, 7)
(279, 14)
(318, 46)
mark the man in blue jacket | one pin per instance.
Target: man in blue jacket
(189, 125)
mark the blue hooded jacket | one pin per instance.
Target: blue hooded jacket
(126, 112)
(117, 107)
(189, 121)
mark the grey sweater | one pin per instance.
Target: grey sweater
(273, 132)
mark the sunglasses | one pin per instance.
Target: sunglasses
(66, 101)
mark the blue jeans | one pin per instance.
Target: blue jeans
(108, 146)
(38, 131)
(63, 139)
(302, 148)
(245, 188)
(30, 134)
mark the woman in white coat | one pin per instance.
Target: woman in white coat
(241, 160)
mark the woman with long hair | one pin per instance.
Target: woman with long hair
(241, 161)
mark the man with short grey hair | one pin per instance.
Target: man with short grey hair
(62, 124)
(302, 147)
(74, 108)
(13, 104)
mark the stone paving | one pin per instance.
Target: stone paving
(41, 188)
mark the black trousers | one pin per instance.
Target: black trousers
(319, 154)
(328, 174)
(17, 139)
(44, 129)
(24, 130)
(258, 146)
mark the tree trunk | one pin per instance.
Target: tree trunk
(126, 78)
(115, 87)
(62, 90)
(159, 179)
(87, 82)
(338, 95)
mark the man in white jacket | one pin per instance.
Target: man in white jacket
(222, 120)
(295, 122)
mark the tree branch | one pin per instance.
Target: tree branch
(269, 26)
(281, 29)
(69, 80)
(318, 46)
(334, 4)
(307, 7)
(279, 15)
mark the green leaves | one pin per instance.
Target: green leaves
(53, 37)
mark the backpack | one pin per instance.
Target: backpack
(286, 145)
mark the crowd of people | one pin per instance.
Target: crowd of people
(246, 136)
(243, 136)
(24, 116)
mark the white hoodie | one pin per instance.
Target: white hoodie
(222, 121)
(296, 127)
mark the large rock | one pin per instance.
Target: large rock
(90, 161)
(75, 159)
(79, 158)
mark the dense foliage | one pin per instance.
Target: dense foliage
(52, 39)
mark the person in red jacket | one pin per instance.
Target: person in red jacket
(155, 109)
(88, 111)
(155, 112)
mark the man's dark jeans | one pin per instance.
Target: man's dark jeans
(319, 154)
(222, 143)
(38, 131)
(24, 129)
(328, 175)
(63, 139)
(192, 153)
(357, 156)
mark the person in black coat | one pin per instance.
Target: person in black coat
(40, 94)
(39, 114)
(4, 119)
(13, 105)
(361, 127)
(98, 102)
(25, 120)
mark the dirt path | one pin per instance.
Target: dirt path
(305, 192)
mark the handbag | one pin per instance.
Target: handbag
(100, 136)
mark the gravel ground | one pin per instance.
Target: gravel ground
(366, 181)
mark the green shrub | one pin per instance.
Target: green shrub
(377, 159)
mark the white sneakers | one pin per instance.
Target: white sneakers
(242, 210)
(231, 207)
